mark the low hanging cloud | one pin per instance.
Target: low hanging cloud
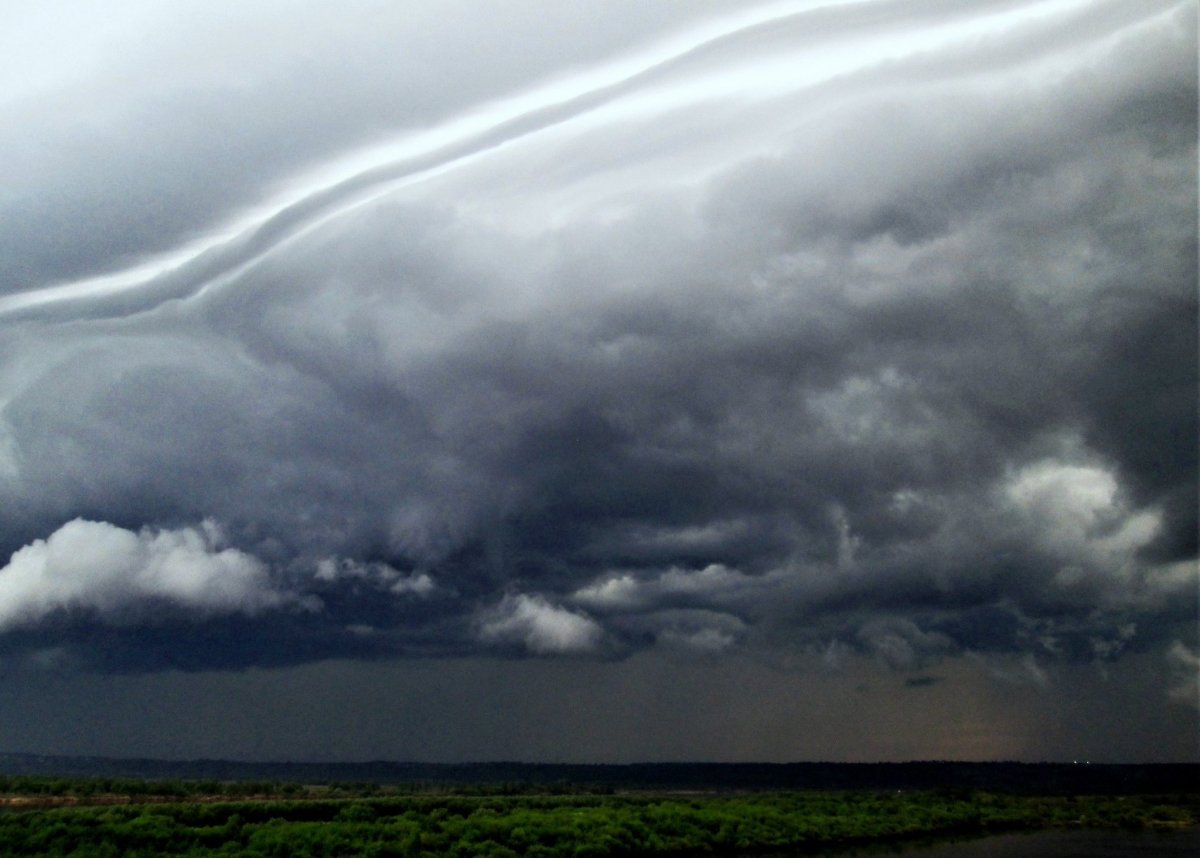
(800, 327)
(95, 568)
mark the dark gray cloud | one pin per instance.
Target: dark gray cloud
(860, 332)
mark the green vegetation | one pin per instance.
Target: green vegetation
(373, 822)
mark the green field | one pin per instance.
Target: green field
(91, 818)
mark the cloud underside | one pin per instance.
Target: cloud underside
(900, 360)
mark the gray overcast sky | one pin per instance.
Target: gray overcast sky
(599, 381)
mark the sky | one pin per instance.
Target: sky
(599, 382)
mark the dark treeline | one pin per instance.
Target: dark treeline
(1032, 778)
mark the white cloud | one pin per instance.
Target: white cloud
(625, 592)
(1069, 499)
(539, 626)
(1078, 513)
(117, 574)
(619, 592)
(379, 575)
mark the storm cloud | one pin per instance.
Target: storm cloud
(577, 331)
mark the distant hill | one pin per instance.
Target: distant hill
(1060, 778)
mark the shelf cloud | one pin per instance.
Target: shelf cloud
(515, 331)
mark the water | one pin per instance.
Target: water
(1069, 844)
